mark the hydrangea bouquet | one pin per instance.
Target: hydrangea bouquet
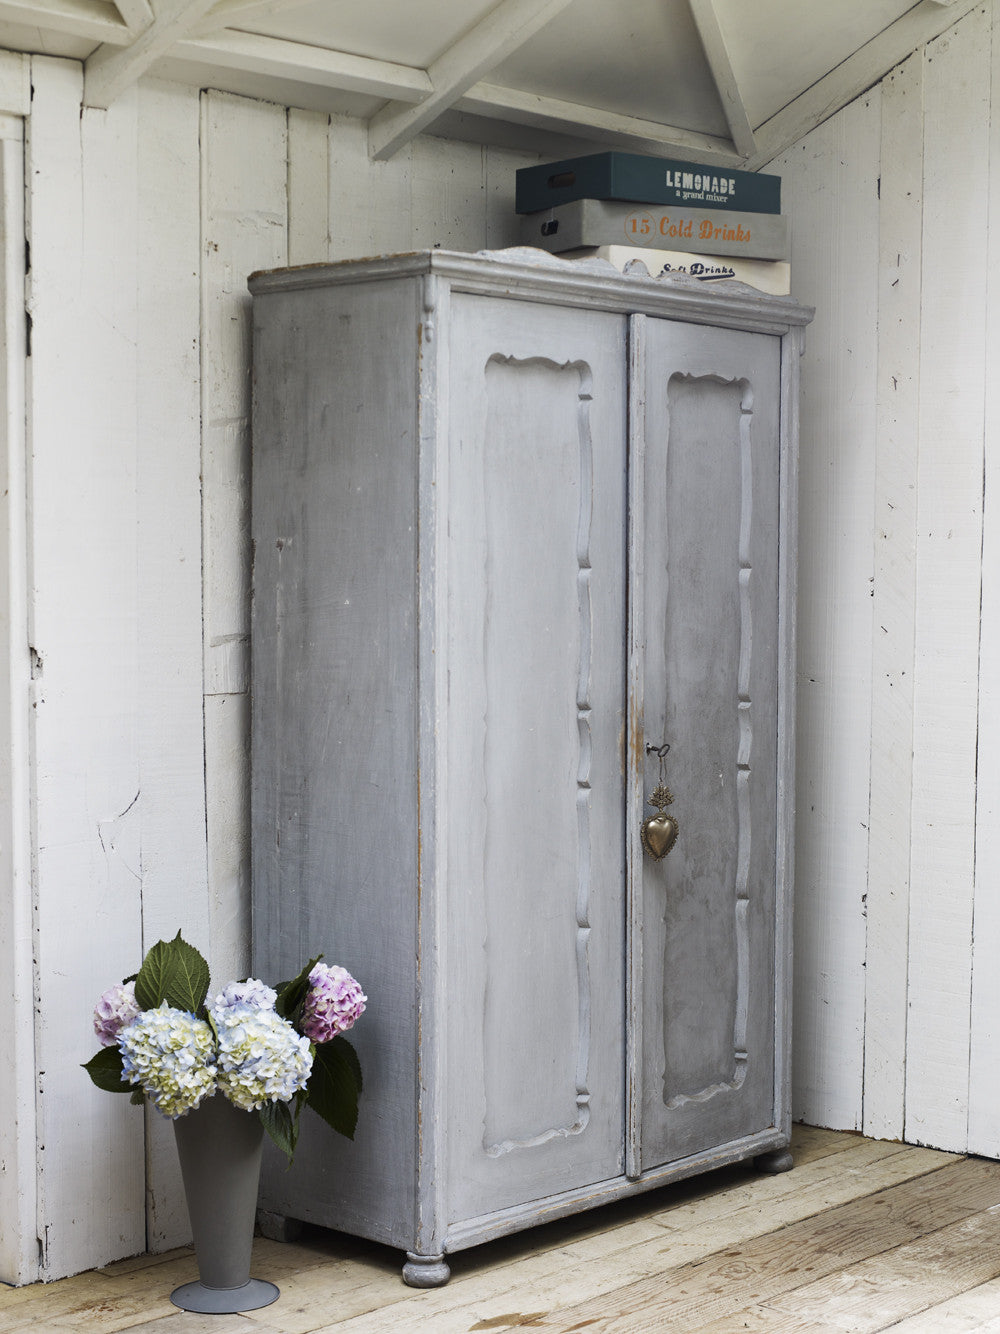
(268, 1051)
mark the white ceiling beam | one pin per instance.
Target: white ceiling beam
(295, 62)
(75, 18)
(853, 76)
(108, 72)
(230, 13)
(606, 127)
(485, 46)
(138, 14)
(717, 54)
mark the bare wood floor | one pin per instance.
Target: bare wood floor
(861, 1236)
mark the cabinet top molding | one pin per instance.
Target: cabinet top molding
(533, 275)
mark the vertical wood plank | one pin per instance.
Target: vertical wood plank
(948, 571)
(984, 1074)
(501, 220)
(18, 1251)
(82, 415)
(244, 227)
(830, 188)
(448, 195)
(308, 187)
(171, 736)
(894, 610)
(370, 206)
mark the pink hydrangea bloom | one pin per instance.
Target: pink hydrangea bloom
(333, 1004)
(115, 1010)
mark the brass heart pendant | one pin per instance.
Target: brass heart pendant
(659, 834)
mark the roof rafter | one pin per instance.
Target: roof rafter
(717, 54)
(608, 127)
(138, 14)
(77, 18)
(278, 58)
(109, 71)
(501, 32)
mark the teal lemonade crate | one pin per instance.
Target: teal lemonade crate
(598, 222)
(645, 180)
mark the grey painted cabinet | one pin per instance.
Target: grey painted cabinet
(515, 522)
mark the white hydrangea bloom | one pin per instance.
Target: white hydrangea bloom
(251, 992)
(261, 1058)
(172, 1055)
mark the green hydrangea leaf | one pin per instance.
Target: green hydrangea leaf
(152, 978)
(292, 994)
(281, 1125)
(335, 1084)
(351, 1057)
(105, 1069)
(189, 977)
(173, 972)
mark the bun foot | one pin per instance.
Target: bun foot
(425, 1271)
(778, 1160)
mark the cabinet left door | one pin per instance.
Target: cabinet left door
(534, 471)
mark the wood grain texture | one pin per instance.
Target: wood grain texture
(948, 572)
(714, 1290)
(876, 1292)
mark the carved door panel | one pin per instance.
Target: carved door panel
(704, 637)
(532, 477)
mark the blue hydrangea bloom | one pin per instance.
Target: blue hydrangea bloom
(261, 1058)
(172, 1055)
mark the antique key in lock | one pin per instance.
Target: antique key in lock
(659, 832)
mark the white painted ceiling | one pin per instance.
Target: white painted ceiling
(727, 81)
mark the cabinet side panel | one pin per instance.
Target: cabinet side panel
(334, 791)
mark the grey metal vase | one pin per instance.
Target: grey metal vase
(219, 1147)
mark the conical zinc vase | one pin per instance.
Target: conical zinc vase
(219, 1147)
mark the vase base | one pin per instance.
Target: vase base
(249, 1296)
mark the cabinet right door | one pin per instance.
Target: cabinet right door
(705, 515)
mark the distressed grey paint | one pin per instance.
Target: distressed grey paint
(448, 671)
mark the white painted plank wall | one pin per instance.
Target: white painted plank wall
(830, 189)
(886, 964)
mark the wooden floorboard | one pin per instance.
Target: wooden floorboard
(862, 1236)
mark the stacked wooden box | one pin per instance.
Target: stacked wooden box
(709, 222)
